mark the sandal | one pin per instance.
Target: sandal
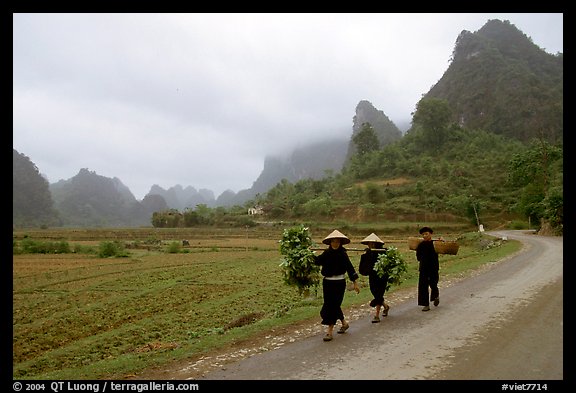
(327, 337)
(385, 311)
(376, 319)
(343, 328)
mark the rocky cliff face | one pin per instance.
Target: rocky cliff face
(385, 129)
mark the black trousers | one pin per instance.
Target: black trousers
(333, 291)
(377, 288)
(427, 287)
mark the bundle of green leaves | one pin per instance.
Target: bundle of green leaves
(391, 263)
(298, 259)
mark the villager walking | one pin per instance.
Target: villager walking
(428, 270)
(335, 265)
(377, 284)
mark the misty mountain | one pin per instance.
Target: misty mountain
(88, 199)
(385, 129)
(153, 203)
(315, 161)
(180, 198)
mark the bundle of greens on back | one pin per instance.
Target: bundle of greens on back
(391, 263)
(297, 264)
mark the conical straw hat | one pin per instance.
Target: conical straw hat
(372, 238)
(336, 234)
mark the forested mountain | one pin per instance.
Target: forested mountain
(32, 203)
(500, 81)
(485, 145)
(88, 199)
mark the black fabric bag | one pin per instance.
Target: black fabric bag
(365, 267)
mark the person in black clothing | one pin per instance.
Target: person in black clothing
(377, 284)
(428, 270)
(335, 264)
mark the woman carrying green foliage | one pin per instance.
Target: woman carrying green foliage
(335, 264)
(378, 285)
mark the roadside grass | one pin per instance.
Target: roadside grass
(77, 316)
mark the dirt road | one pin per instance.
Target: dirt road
(504, 322)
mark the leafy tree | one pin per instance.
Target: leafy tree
(365, 166)
(553, 205)
(205, 213)
(366, 140)
(191, 218)
(170, 218)
(432, 117)
(537, 171)
(320, 206)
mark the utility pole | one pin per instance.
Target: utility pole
(475, 212)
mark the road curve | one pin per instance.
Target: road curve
(505, 323)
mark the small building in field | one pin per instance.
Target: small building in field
(256, 210)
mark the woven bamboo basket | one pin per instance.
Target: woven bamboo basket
(413, 242)
(446, 247)
(441, 247)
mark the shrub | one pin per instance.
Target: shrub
(111, 249)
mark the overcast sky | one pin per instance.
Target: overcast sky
(201, 99)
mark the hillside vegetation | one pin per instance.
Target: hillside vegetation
(469, 176)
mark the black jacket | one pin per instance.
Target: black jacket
(427, 256)
(336, 262)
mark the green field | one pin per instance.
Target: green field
(79, 316)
